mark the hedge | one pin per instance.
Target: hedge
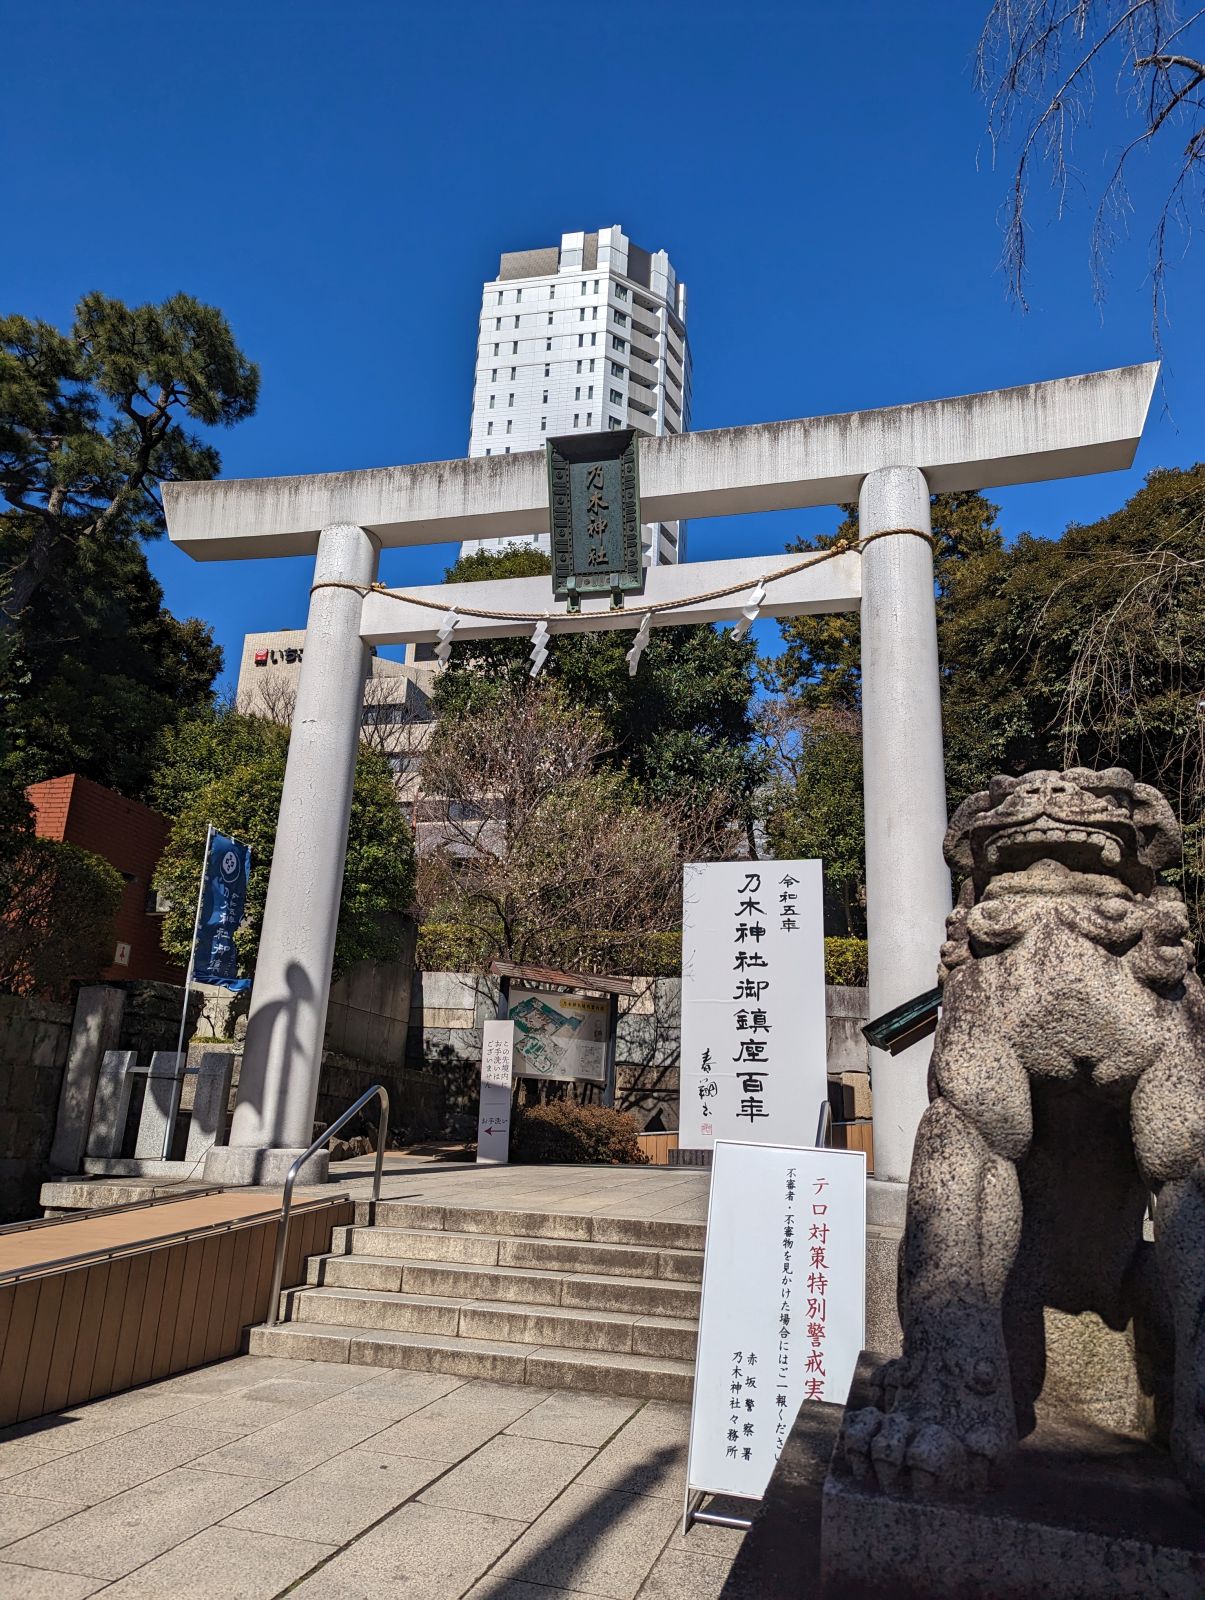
(449, 947)
(562, 1131)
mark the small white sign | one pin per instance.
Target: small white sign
(493, 1124)
(753, 1063)
(497, 1050)
(782, 1318)
(121, 956)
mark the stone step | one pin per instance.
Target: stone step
(599, 1372)
(510, 1250)
(626, 1333)
(652, 1233)
(522, 1285)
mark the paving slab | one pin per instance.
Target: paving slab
(113, 1538)
(588, 1419)
(491, 1588)
(459, 1422)
(20, 1516)
(648, 1456)
(509, 1477)
(600, 1543)
(339, 1499)
(686, 1575)
(101, 1471)
(23, 1583)
(287, 1449)
(222, 1564)
(422, 1552)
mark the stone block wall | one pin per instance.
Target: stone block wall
(448, 1008)
(34, 1039)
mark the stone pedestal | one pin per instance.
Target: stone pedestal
(210, 1096)
(111, 1105)
(166, 1067)
(234, 1165)
(1082, 1513)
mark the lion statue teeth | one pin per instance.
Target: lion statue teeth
(1067, 1088)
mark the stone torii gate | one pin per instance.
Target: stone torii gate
(888, 460)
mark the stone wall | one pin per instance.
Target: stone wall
(34, 1039)
(417, 1099)
(447, 1009)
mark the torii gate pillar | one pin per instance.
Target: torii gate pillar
(907, 881)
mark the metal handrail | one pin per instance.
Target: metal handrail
(282, 1235)
(824, 1126)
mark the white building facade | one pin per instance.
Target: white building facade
(582, 337)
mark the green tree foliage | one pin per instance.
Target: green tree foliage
(681, 727)
(1085, 649)
(60, 905)
(91, 422)
(228, 769)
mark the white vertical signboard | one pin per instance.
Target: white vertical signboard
(493, 1116)
(782, 1318)
(753, 1064)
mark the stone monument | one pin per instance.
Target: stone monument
(1067, 1089)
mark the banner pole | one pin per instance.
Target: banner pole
(173, 1109)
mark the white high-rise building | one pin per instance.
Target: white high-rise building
(579, 338)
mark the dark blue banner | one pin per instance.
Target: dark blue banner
(223, 903)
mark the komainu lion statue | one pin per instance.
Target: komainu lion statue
(1067, 1087)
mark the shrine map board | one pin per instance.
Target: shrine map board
(782, 1317)
(754, 1044)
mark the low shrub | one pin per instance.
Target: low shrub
(564, 1132)
(845, 962)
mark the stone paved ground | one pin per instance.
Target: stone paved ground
(258, 1477)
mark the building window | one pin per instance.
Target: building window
(581, 339)
(510, 399)
(497, 322)
(513, 371)
(493, 375)
(516, 322)
(496, 349)
(581, 316)
(545, 396)
(591, 363)
(518, 294)
(576, 418)
(491, 402)
(593, 338)
(615, 397)
(508, 449)
(552, 291)
(589, 418)
(548, 344)
(579, 366)
(547, 369)
(583, 285)
(617, 343)
(577, 393)
(614, 422)
(620, 292)
(514, 349)
(596, 285)
(550, 319)
(500, 293)
(593, 313)
(509, 424)
(621, 318)
(543, 424)
(488, 451)
(590, 392)
(489, 427)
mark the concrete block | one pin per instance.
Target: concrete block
(650, 1299)
(423, 1352)
(95, 1030)
(672, 1337)
(606, 1373)
(355, 1272)
(166, 1069)
(680, 1266)
(475, 1249)
(210, 1095)
(570, 1330)
(649, 1231)
(480, 1283)
(111, 1105)
(299, 1343)
(550, 1255)
(396, 1313)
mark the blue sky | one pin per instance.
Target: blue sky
(341, 178)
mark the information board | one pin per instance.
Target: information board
(782, 1318)
(559, 1037)
(754, 1049)
(497, 1052)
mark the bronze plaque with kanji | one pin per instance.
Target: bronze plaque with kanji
(594, 504)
